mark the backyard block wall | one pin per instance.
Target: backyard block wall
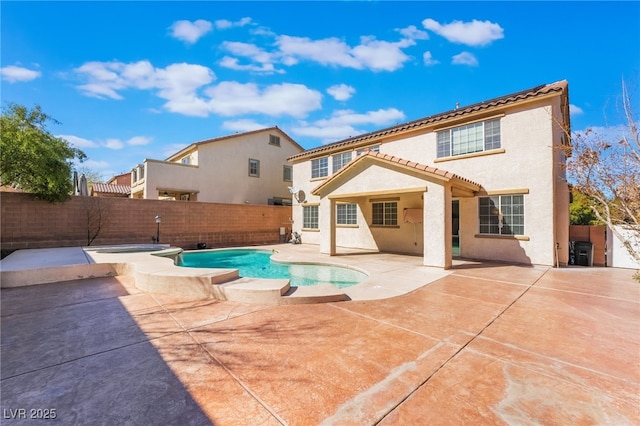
(30, 223)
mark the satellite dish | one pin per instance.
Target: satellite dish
(300, 196)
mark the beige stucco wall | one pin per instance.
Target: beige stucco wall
(219, 171)
(528, 162)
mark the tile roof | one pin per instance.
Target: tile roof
(104, 188)
(227, 137)
(433, 171)
(545, 89)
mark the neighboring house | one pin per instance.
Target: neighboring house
(117, 186)
(122, 179)
(485, 181)
(248, 167)
(106, 190)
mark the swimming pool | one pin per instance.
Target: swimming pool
(256, 263)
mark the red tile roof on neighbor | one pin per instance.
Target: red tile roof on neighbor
(559, 87)
(104, 188)
(433, 171)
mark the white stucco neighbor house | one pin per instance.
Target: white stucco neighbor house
(485, 181)
(243, 168)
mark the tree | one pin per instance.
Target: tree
(580, 211)
(605, 167)
(32, 158)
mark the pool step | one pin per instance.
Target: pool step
(275, 291)
(320, 293)
(252, 290)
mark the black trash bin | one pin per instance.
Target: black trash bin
(584, 253)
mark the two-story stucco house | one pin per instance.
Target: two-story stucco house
(485, 181)
(249, 167)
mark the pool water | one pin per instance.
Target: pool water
(253, 263)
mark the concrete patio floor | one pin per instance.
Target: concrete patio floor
(483, 344)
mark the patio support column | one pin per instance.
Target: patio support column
(327, 219)
(437, 226)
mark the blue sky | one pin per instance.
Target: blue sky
(135, 80)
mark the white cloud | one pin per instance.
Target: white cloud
(464, 58)
(234, 64)
(249, 50)
(325, 134)
(188, 31)
(243, 125)
(186, 89)
(178, 84)
(378, 118)
(114, 144)
(413, 33)
(78, 142)
(139, 140)
(341, 92)
(94, 164)
(341, 124)
(575, 110)
(428, 59)
(14, 74)
(223, 24)
(381, 55)
(474, 33)
(253, 53)
(370, 53)
(232, 98)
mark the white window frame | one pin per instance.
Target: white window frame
(374, 148)
(389, 213)
(504, 215)
(255, 162)
(310, 218)
(347, 214)
(340, 160)
(319, 167)
(469, 138)
(287, 173)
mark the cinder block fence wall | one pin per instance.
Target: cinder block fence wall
(30, 223)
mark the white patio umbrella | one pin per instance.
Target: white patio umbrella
(83, 188)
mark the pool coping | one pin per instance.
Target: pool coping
(155, 272)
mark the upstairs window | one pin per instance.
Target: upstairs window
(385, 213)
(470, 138)
(502, 215)
(186, 160)
(340, 160)
(254, 168)
(141, 172)
(274, 140)
(374, 148)
(287, 173)
(319, 167)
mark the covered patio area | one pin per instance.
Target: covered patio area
(408, 211)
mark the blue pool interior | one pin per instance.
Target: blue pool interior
(255, 263)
